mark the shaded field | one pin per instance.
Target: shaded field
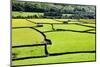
(26, 14)
(64, 40)
(91, 21)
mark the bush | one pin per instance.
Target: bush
(65, 22)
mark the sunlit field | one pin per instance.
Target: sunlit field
(71, 42)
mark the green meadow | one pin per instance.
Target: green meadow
(65, 37)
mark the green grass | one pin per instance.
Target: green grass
(21, 23)
(71, 27)
(90, 25)
(58, 59)
(26, 36)
(62, 41)
(46, 27)
(44, 21)
(29, 51)
(70, 42)
(93, 30)
(66, 20)
(88, 20)
(25, 14)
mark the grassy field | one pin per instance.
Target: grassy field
(66, 20)
(62, 41)
(26, 14)
(67, 58)
(26, 36)
(29, 51)
(21, 23)
(90, 25)
(59, 46)
(88, 20)
(71, 27)
(44, 21)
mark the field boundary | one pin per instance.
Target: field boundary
(45, 45)
(48, 42)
